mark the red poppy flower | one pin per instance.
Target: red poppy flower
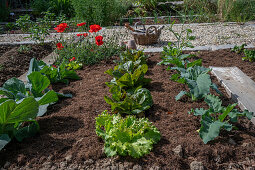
(54, 66)
(79, 35)
(99, 40)
(81, 24)
(72, 59)
(94, 28)
(61, 27)
(60, 46)
(85, 34)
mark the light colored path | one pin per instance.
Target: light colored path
(238, 85)
(207, 34)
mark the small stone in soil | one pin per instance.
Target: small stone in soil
(178, 151)
(195, 165)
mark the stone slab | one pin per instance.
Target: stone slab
(22, 43)
(50, 59)
(200, 48)
(238, 86)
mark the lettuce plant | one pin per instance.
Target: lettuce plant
(126, 136)
(132, 55)
(129, 102)
(126, 77)
(217, 117)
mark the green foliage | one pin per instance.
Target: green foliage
(227, 10)
(102, 12)
(126, 136)
(16, 90)
(61, 7)
(200, 6)
(198, 81)
(87, 52)
(40, 6)
(12, 117)
(127, 77)
(74, 65)
(147, 4)
(249, 55)
(239, 11)
(131, 55)
(129, 103)
(24, 22)
(4, 11)
(217, 117)
(239, 49)
(38, 32)
(10, 26)
(24, 48)
(175, 50)
(128, 96)
(60, 74)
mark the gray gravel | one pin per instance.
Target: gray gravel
(206, 34)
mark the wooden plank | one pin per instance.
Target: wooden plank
(238, 86)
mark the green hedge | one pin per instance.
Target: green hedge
(103, 12)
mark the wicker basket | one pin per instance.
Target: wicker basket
(146, 36)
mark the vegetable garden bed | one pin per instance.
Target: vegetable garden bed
(15, 59)
(67, 135)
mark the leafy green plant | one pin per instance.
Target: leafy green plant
(12, 118)
(132, 102)
(103, 12)
(198, 81)
(239, 11)
(24, 23)
(239, 49)
(217, 117)
(147, 4)
(128, 96)
(40, 6)
(175, 50)
(60, 74)
(132, 55)
(183, 37)
(126, 136)
(125, 76)
(249, 55)
(60, 7)
(87, 52)
(38, 33)
(24, 48)
(74, 65)
(10, 26)
(36, 87)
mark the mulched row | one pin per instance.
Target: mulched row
(69, 126)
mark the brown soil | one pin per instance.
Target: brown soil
(14, 63)
(68, 129)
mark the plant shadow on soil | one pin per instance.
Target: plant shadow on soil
(45, 142)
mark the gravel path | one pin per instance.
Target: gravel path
(206, 34)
